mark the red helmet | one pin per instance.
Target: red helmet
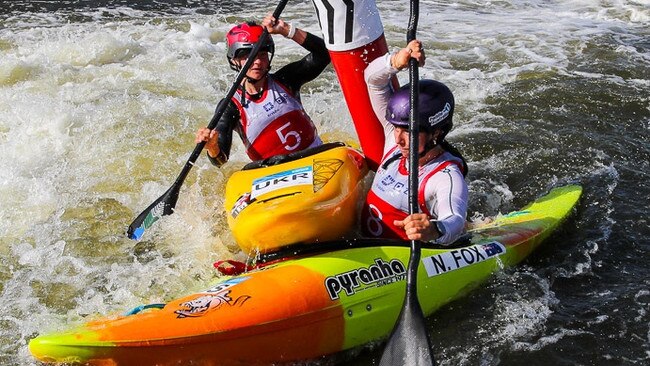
(243, 37)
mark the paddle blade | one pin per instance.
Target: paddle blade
(409, 344)
(163, 206)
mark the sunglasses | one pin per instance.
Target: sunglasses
(243, 53)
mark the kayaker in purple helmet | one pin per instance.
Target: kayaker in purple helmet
(442, 190)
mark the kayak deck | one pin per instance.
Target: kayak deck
(325, 300)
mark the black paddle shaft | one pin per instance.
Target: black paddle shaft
(409, 343)
(414, 126)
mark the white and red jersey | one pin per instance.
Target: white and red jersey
(354, 36)
(349, 24)
(442, 194)
(274, 124)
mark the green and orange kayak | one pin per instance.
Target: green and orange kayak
(323, 299)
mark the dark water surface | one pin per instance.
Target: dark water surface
(99, 101)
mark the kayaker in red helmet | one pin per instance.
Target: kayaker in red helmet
(442, 190)
(266, 111)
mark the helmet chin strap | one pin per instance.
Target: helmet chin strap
(431, 144)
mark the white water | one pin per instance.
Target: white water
(97, 118)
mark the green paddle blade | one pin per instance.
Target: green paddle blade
(163, 206)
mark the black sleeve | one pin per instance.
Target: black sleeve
(228, 122)
(297, 73)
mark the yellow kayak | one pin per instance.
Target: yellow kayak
(304, 197)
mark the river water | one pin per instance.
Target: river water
(99, 101)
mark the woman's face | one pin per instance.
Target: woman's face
(260, 66)
(401, 136)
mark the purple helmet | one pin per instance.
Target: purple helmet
(436, 104)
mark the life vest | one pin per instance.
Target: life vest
(275, 124)
(388, 198)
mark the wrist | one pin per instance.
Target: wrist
(217, 160)
(394, 58)
(212, 152)
(291, 32)
(438, 229)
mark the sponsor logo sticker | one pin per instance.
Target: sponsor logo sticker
(289, 178)
(281, 99)
(388, 180)
(461, 257)
(213, 298)
(202, 305)
(379, 274)
(440, 116)
(240, 205)
(225, 285)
